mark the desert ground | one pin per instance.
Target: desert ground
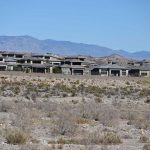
(52, 112)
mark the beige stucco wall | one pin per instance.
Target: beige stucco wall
(148, 73)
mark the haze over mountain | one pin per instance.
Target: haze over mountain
(31, 44)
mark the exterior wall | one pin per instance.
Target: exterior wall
(3, 68)
(120, 73)
(66, 71)
(51, 69)
(77, 71)
(124, 73)
(55, 63)
(145, 73)
(102, 72)
(10, 68)
(127, 72)
(109, 72)
(3, 60)
(27, 70)
(87, 72)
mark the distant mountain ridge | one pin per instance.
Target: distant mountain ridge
(30, 44)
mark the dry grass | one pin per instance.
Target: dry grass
(146, 147)
(145, 139)
(16, 136)
(106, 138)
(72, 111)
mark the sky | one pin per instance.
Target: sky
(117, 24)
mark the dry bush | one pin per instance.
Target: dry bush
(29, 147)
(98, 99)
(50, 108)
(147, 101)
(64, 141)
(25, 116)
(145, 92)
(99, 112)
(140, 120)
(83, 121)
(146, 147)
(16, 136)
(65, 122)
(142, 124)
(35, 147)
(106, 138)
(94, 90)
(110, 138)
(60, 146)
(145, 139)
(5, 106)
(127, 83)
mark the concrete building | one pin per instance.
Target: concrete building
(70, 65)
(109, 70)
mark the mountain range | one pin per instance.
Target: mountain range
(30, 44)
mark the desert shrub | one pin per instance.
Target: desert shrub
(75, 101)
(141, 124)
(62, 87)
(98, 100)
(16, 90)
(64, 95)
(99, 112)
(109, 116)
(73, 93)
(146, 147)
(126, 90)
(83, 121)
(144, 139)
(60, 146)
(25, 116)
(94, 90)
(57, 70)
(110, 138)
(129, 115)
(5, 106)
(77, 82)
(29, 147)
(36, 147)
(16, 136)
(64, 141)
(127, 83)
(145, 92)
(65, 124)
(147, 101)
(106, 138)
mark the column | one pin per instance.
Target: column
(51, 69)
(100, 71)
(120, 73)
(72, 71)
(109, 72)
(127, 72)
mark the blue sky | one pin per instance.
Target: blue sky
(117, 24)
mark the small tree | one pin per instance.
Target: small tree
(57, 70)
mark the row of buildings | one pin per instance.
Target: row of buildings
(70, 65)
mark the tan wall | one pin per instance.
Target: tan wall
(148, 73)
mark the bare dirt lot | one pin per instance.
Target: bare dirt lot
(52, 112)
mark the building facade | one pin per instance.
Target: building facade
(70, 65)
